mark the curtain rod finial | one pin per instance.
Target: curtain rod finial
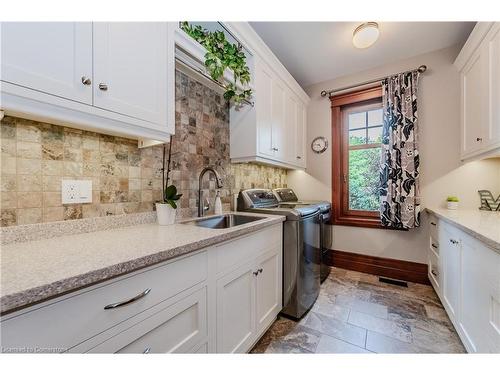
(422, 68)
(323, 93)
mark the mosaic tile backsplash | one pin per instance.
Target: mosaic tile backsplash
(36, 156)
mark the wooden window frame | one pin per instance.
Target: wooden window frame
(342, 215)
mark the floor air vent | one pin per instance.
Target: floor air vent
(393, 281)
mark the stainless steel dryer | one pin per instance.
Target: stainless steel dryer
(301, 247)
(287, 195)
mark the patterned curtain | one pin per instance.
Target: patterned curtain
(399, 173)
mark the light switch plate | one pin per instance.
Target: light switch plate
(76, 191)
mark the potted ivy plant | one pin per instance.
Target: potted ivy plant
(452, 203)
(167, 207)
(221, 54)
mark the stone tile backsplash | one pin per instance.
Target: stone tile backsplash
(36, 156)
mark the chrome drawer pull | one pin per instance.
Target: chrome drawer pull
(434, 246)
(432, 223)
(127, 302)
(434, 273)
(146, 351)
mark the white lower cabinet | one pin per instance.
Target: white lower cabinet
(268, 289)
(480, 315)
(451, 270)
(248, 301)
(178, 328)
(221, 299)
(236, 310)
(467, 279)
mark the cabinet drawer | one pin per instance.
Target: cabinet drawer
(434, 270)
(434, 245)
(233, 253)
(434, 227)
(63, 324)
(175, 329)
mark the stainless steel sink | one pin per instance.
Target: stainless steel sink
(223, 221)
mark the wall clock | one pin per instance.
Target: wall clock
(319, 145)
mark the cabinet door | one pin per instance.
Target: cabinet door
(52, 57)
(131, 68)
(290, 128)
(179, 328)
(268, 293)
(480, 312)
(236, 310)
(301, 135)
(474, 87)
(493, 129)
(264, 82)
(278, 120)
(450, 254)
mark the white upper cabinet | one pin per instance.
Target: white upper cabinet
(301, 135)
(130, 75)
(479, 66)
(52, 57)
(279, 130)
(273, 131)
(264, 86)
(115, 78)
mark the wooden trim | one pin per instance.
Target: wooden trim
(341, 214)
(392, 268)
(356, 96)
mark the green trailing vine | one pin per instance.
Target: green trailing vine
(220, 55)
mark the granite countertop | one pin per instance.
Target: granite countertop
(37, 270)
(483, 225)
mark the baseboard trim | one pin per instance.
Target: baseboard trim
(393, 268)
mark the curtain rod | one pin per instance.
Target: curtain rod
(329, 93)
(202, 73)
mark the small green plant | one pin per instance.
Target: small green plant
(169, 192)
(171, 196)
(220, 55)
(452, 198)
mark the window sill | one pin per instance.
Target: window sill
(364, 222)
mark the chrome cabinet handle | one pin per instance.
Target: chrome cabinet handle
(146, 351)
(434, 246)
(86, 81)
(453, 241)
(433, 223)
(129, 301)
(478, 139)
(103, 87)
(434, 273)
(275, 149)
(299, 157)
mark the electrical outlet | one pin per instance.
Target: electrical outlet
(76, 191)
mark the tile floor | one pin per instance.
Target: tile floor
(355, 313)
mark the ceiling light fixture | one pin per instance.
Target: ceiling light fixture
(365, 35)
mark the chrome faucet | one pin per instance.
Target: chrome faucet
(204, 205)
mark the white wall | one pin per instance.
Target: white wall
(441, 171)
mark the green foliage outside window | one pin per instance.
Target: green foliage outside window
(364, 165)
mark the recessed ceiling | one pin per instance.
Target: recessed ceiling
(318, 51)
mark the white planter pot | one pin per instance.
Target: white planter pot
(452, 205)
(165, 214)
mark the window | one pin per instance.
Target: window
(356, 134)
